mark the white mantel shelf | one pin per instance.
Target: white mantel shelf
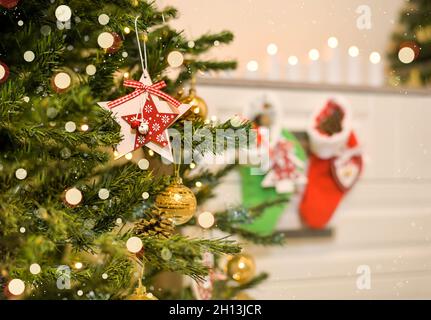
(287, 85)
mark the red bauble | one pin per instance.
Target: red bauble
(117, 43)
(135, 124)
(413, 45)
(8, 4)
(4, 72)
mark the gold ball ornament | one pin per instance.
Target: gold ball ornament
(423, 34)
(415, 79)
(241, 268)
(141, 294)
(242, 296)
(198, 106)
(177, 202)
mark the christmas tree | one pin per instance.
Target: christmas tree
(74, 222)
(410, 53)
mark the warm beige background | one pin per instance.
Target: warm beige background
(295, 26)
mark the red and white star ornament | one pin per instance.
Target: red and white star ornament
(144, 116)
(286, 169)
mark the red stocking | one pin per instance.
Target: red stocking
(334, 167)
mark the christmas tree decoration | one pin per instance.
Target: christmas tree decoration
(241, 268)
(61, 81)
(21, 174)
(198, 107)
(16, 287)
(134, 244)
(29, 56)
(63, 13)
(415, 78)
(70, 126)
(90, 70)
(142, 294)
(103, 19)
(206, 220)
(242, 296)
(143, 164)
(4, 72)
(177, 201)
(166, 254)
(9, 4)
(335, 163)
(406, 55)
(408, 52)
(103, 194)
(156, 223)
(117, 43)
(105, 40)
(423, 34)
(73, 197)
(144, 118)
(175, 59)
(35, 268)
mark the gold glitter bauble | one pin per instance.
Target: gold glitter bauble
(198, 106)
(141, 294)
(177, 202)
(241, 268)
(242, 296)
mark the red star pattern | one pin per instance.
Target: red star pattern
(157, 124)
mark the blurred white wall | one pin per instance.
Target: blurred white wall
(296, 26)
(382, 224)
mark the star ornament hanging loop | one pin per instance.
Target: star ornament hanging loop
(141, 88)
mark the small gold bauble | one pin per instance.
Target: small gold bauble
(134, 3)
(415, 79)
(241, 268)
(198, 106)
(423, 34)
(242, 296)
(177, 202)
(141, 294)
